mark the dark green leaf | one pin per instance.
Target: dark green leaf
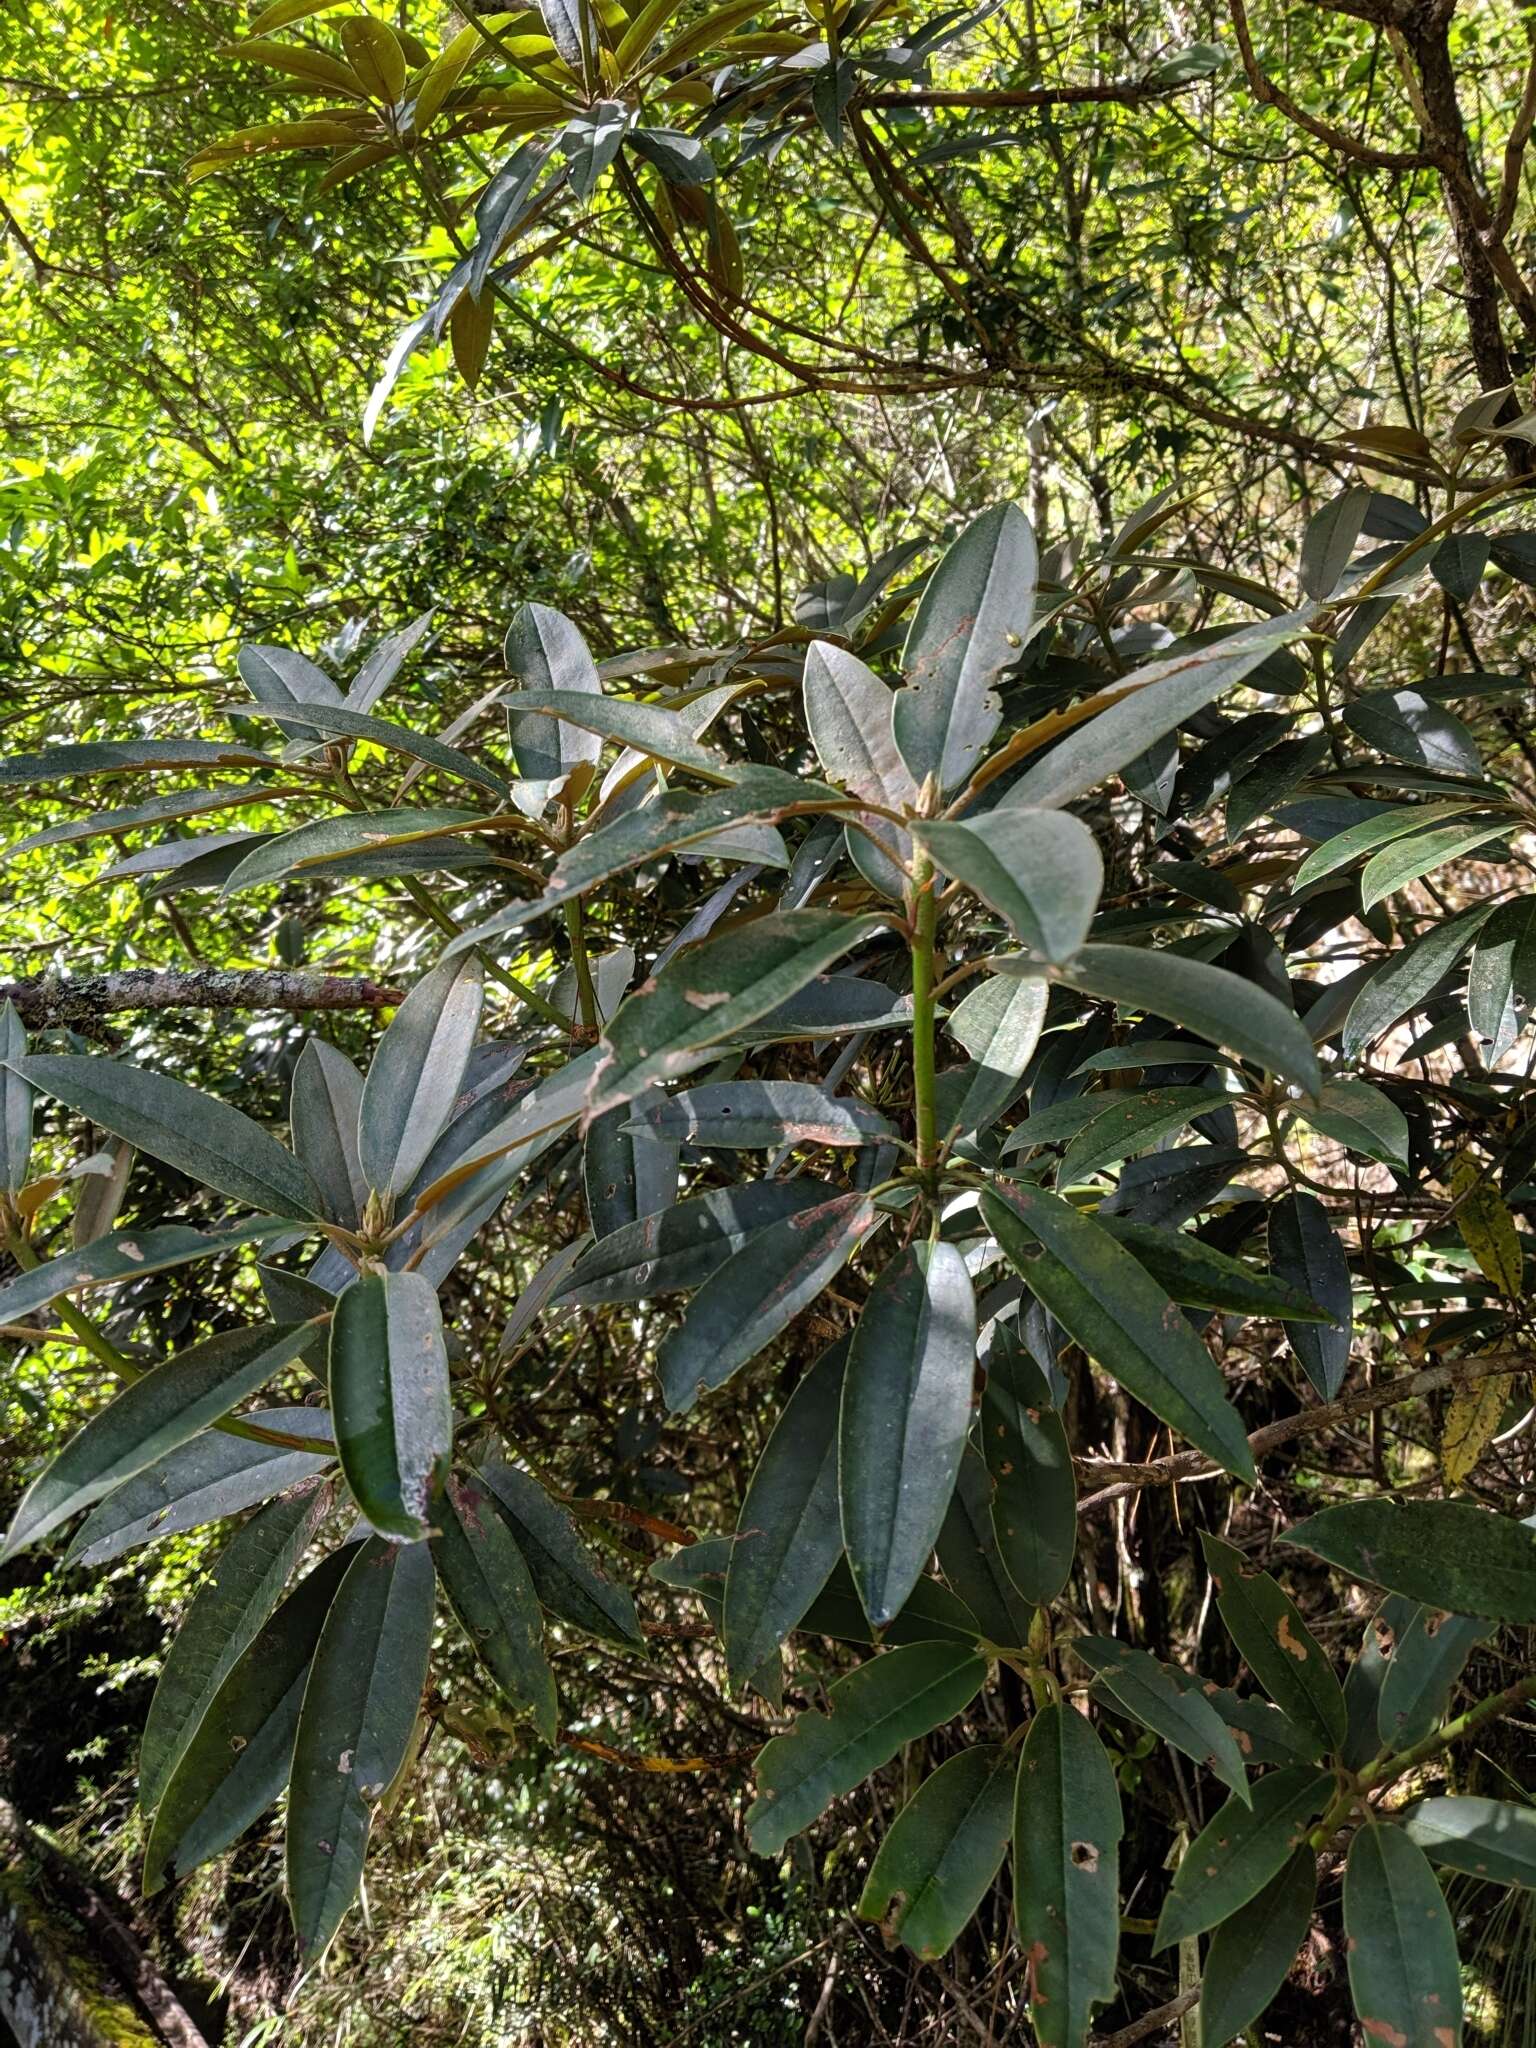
(1034, 1502)
(128, 1255)
(895, 1697)
(971, 624)
(567, 1576)
(707, 995)
(933, 1614)
(1425, 1661)
(848, 711)
(322, 1116)
(758, 1292)
(1221, 1006)
(230, 1609)
(390, 1399)
(1168, 1704)
(1066, 1873)
(1235, 1855)
(1491, 1838)
(1501, 982)
(1278, 1647)
(747, 1115)
(787, 1536)
(1447, 1553)
(972, 1563)
(1371, 833)
(628, 1168)
(1040, 870)
(1113, 1307)
(943, 1850)
(1307, 1256)
(117, 757)
(396, 739)
(545, 652)
(905, 1412)
(1405, 860)
(1409, 727)
(212, 1476)
(1197, 1275)
(416, 1074)
(682, 1246)
(15, 1104)
(237, 1759)
(1251, 1953)
(1363, 1119)
(169, 1406)
(1404, 1973)
(1329, 541)
(355, 1727)
(490, 1589)
(337, 839)
(196, 1133)
(1408, 976)
(999, 1025)
(649, 728)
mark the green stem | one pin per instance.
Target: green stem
(1386, 1770)
(925, 919)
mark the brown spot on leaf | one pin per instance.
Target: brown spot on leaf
(1383, 2030)
(1085, 1856)
(1288, 1642)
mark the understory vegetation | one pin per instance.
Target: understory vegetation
(767, 1143)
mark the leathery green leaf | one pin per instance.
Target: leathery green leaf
(972, 1563)
(905, 1412)
(196, 1133)
(390, 1399)
(1307, 1255)
(355, 1727)
(746, 1302)
(848, 711)
(416, 1074)
(1422, 1666)
(1251, 1953)
(1114, 1308)
(1034, 1500)
(237, 1758)
(1198, 1276)
(170, 1405)
(15, 1103)
(323, 1116)
(1404, 1973)
(746, 1115)
(971, 623)
(1276, 1644)
(247, 1582)
(1235, 1855)
(710, 993)
(567, 1576)
(1221, 1006)
(787, 1535)
(128, 1255)
(1492, 1838)
(680, 1247)
(1066, 1873)
(1041, 871)
(1167, 1704)
(942, 1852)
(895, 1697)
(1447, 1553)
(490, 1589)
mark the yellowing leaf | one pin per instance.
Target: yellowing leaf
(1470, 1423)
(1487, 1228)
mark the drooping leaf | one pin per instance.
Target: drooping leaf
(788, 1536)
(895, 1697)
(1425, 1661)
(942, 1852)
(416, 1074)
(1162, 1701)
(323, 1116)
(1408, 976)
(390, 1399)
(1307, 1255)
(567, 1576)
(128, 1255)
(1221, 1006)
(1329, 541)
(1472, 1419)
(1034, 1502)
(1404, 1972)
(15, 1103)
(1447, 1553)
(1362, 1118)
(230, 1610)
(971, 623)
(117, 757)
(1197, 1275)
(397, 739)
(1408, 726)
(212, 1476)
(999, 1025)
(1039, 870)
(628, 1167)
(1405, 860)
(747, 1115)
(490, 1589)
(313, 847)
(905, 1411)
(1486, 1225)
(680, 1247)
(1501, 982)
(1276, 1644)
(1066, 1873)
(355, 1725)
(756, 1293)
(1113, 1307)
(933, 1614)
(237, 1757)
(972, 1563)
(1491, 1838)
(151, 1417)
(1235, 1855)
(707, 995)
(1251, 1952)
(197, 1134)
